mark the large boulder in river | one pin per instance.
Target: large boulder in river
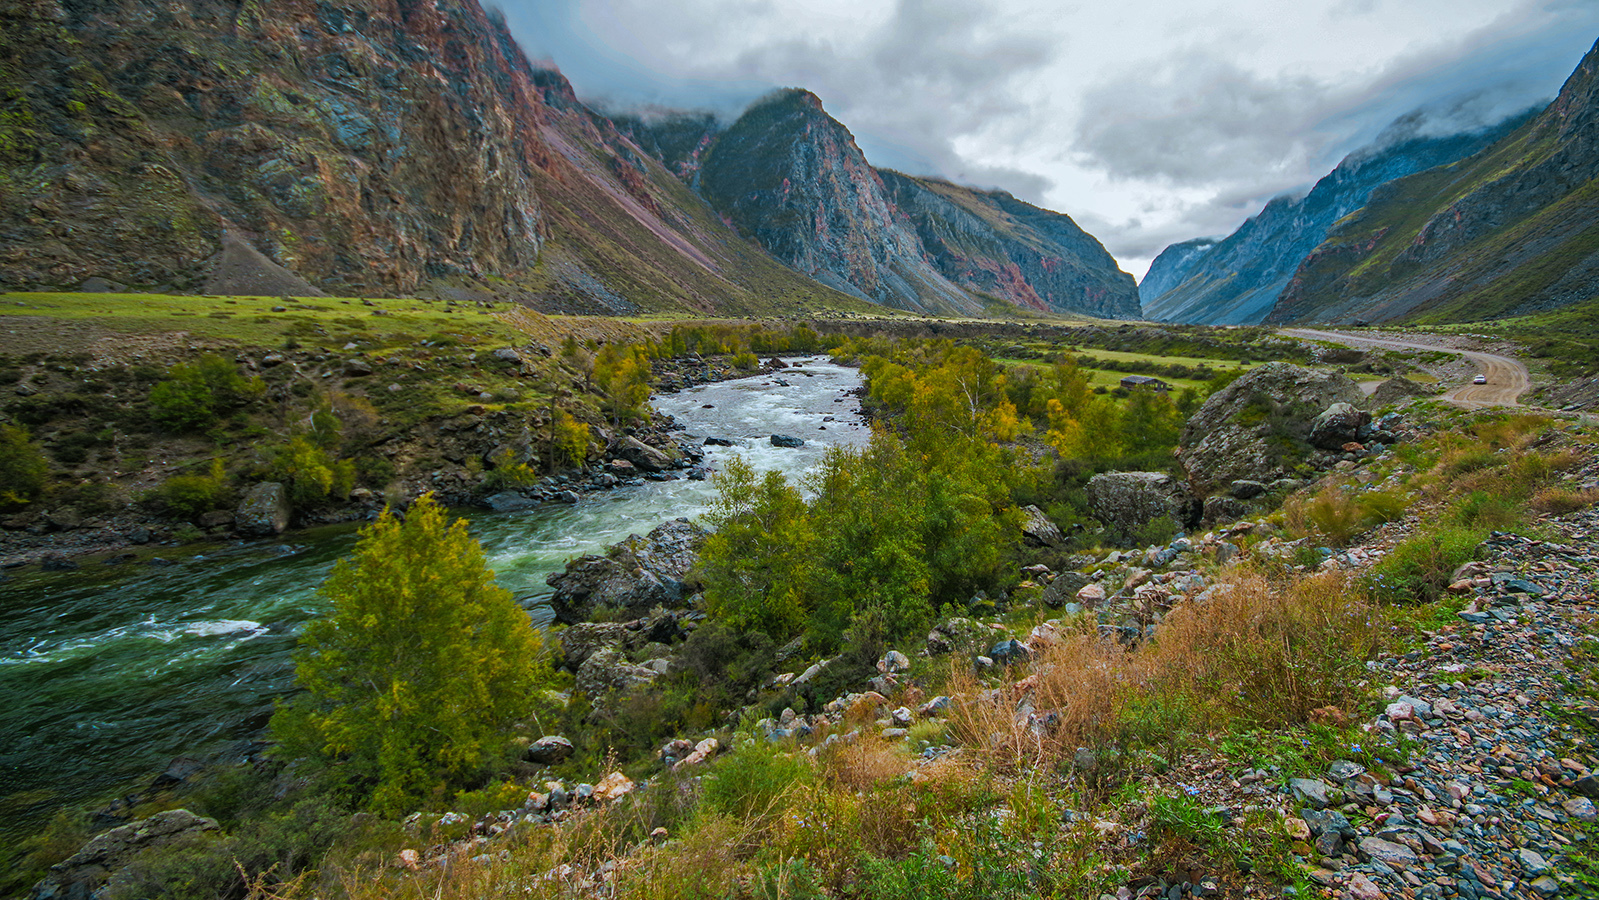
(643, 457)
(1259, 426)
(264, 511)
(634, 576)
(1126, 502)
(89, 873)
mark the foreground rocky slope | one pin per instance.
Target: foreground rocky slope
(1505, 232)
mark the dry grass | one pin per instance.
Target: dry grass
(1558, 501)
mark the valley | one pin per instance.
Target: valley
(423, 475)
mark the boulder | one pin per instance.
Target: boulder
(549, 750)
(1337, 425)
(1064, 588)
(264, 511)
(1246, 489)
(1038, 530)
(958, 635)
(1396, 390)
(1257, 427)
(86, 873)
(607, 670)
(634, 576)
(643, 457)
(789, 441)
(1127, 501)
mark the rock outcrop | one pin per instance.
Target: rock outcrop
(87, 874)
(264, 511)
(1129, 501)
(1260, 425)
(634, 576)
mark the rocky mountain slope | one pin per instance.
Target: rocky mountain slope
(992, 243)
(1236, 281)
(360, 148)
(390, 148)
(1508, 231)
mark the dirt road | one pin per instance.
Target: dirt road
(1507, 377)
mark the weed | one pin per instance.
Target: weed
(1417, 569)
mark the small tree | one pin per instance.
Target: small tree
(23, 470)
(422, 666)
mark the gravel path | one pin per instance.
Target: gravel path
(1508, 379)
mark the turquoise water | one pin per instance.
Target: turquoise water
(109, 672)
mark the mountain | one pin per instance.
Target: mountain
(364, 148)
(1236, 281)
(1172, 265)
(1514, 229)
(994, 244)
(384, 147)
(790, 176)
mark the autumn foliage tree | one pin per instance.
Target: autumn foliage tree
(423, 665)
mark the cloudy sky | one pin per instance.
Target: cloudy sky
(1147, 121)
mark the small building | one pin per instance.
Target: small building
(1144, 381)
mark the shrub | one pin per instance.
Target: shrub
(1417, 569)
(190, 495)
(745, 362)
(1484, 510)
(311, 473)
(1377, 507)
(414, 679)
(569, 440)
(507, 472)
(1559, 501)
(24, 473)
(1331, 515)
(194, 395)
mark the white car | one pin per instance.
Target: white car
(1480, 379)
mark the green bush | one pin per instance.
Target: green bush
(190, 495)
(311, 473)
(755, 781)
(1417, 569)
(24, 473)
(195, 395)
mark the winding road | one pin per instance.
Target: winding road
(1507, 377)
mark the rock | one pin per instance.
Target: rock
(1388, 853)
(549, 750)
(356, 367)
(1588, 786)
(215, 518)
(1533, 862)
(717, 442)
(1063, 589)
(1343, 769)
(1252, 428)
(1296, 828)
(784, 440)
(57, 562)
(676, 750)
(65, 518)
(1218, 509)
(607, 670)
(177, 772)
(507, 354)
(1327, 821)
(509, 501)
(1245, 489)
(83, 875)
(1128, 501)
(1010, 652)
(893, 663)
(1337, 425)
(702, 751)
(1397, 390)
(1546, 886)
(934, 707)
(1313, 791)
(1038, 530)
(636, 575)
(264, 511)
(1091, 595)
(1043, 635)
(1363, 888)
(640, 455)
(958, 635)
(613, 787)
(902, 717)
(1580, 808)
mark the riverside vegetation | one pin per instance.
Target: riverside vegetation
(1080, 762)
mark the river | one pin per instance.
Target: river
(109, 672)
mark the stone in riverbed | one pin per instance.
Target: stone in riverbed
(1388, 853)
(785, 440)
(85, 873)
(634, 576)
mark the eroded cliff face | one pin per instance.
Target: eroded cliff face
(367, 147)
(1508, 231)
(1237, 280)
(993, 243)
(791, 177)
